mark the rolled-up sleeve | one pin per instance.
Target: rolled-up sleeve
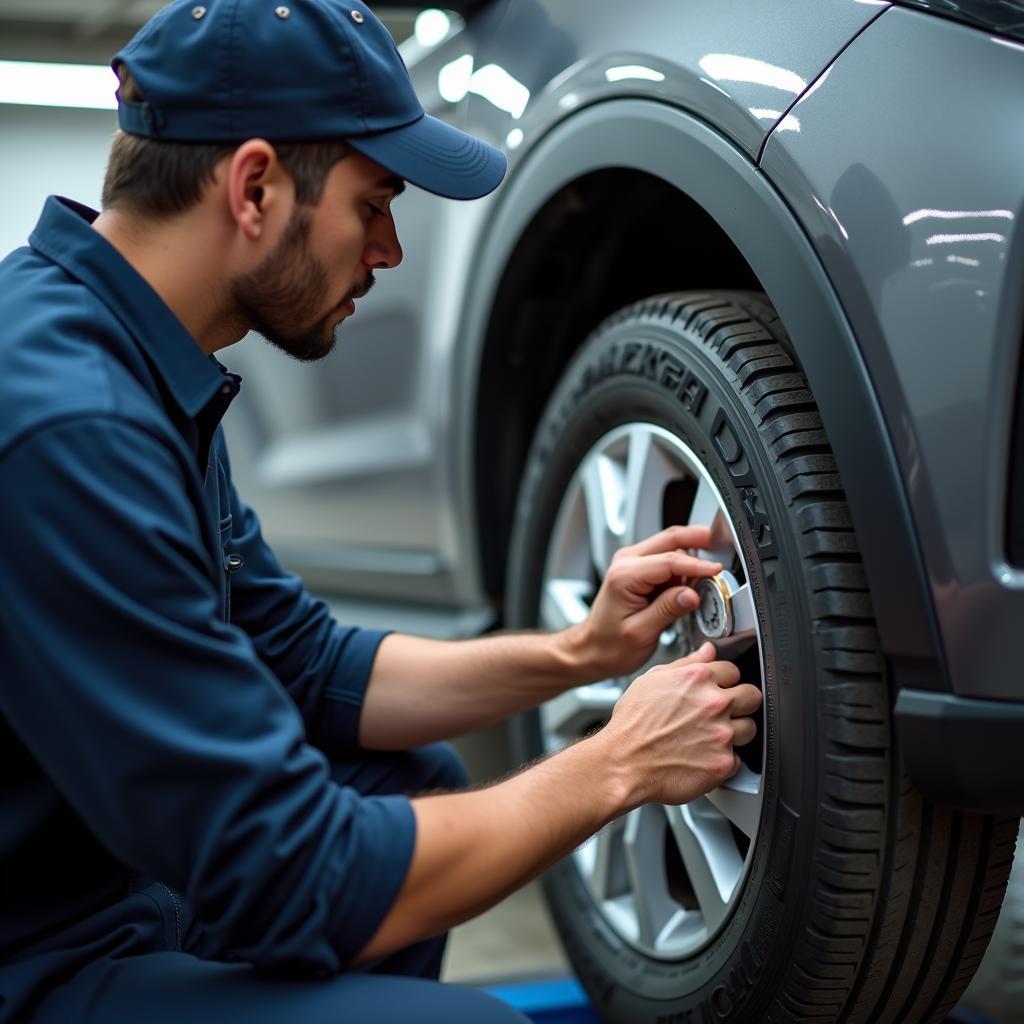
(157, 720)
(325, 667)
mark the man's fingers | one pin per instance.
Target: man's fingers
(652, 570)
(725, 673)
(706, 652)
(746, 700)
(744, 730)
(689, 566)
(672, 537)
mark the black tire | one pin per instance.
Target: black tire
(863, 902)
(998, 988)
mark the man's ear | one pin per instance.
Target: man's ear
(257, 186)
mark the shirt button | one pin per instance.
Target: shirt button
(233, 563)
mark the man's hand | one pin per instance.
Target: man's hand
(423, 690)
(676, 726)
(646, 589)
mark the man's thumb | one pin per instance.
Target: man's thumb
(667, 607)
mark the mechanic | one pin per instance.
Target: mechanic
(206, 782)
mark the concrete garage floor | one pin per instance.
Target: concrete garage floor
(514, 941)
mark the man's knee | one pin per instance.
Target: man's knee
(440, 767)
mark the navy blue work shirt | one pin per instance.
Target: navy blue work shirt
(159, 671)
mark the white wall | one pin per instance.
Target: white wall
(46, 150)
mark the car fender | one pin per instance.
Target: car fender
(690, 155)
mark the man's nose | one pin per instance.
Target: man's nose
(383, 250)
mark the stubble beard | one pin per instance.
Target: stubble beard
(277, 296)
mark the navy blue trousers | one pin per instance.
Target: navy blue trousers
(172, 988)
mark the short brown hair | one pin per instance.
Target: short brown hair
(162, 179)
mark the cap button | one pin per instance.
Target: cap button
(357, 17)
(282, 12)
(198, 13)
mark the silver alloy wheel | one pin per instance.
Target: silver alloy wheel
(665, 878)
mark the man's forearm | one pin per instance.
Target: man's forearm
(423, 690)
(474, 848)
(670, 739)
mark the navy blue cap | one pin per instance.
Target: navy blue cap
(300, 70)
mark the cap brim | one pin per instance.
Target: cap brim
(433, 155)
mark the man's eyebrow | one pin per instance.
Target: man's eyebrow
(397, 185)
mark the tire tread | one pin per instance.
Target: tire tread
(898, 923)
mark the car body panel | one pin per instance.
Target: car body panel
(917, 222)
(737, 64)
(963, 752)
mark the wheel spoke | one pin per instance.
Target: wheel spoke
(565, 602)
(707, 511)
(709, 855)
(647, 473)
(607, 878)
(644, 846)
(705, 505)
(744, 614)
(739, 799)
(573, 712)
(569, 556)
(605, 491)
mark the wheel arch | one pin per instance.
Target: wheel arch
(712, 188)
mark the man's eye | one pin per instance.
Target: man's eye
(376, 210)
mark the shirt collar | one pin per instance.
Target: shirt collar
(64, 234)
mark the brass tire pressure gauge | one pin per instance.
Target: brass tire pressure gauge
(714, 616)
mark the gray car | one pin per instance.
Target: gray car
(757, 265)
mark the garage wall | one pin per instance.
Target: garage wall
(46, 150)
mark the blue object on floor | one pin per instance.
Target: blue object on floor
(561, 1001)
